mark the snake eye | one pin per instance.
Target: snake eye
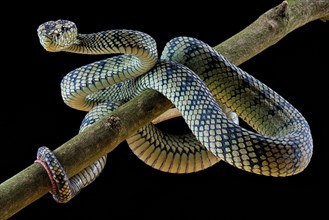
(56, 36)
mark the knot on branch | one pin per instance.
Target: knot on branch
(281, 10)
(113, 122)
(278, 16)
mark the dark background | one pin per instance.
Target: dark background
(33, 114)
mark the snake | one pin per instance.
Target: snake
(210, 92)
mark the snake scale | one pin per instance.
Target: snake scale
(207, 89)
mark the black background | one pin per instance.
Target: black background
(33, 114)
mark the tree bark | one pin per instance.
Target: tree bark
(102, 137)
(266, 31)
(271, 27)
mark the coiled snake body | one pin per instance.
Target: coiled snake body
(200, 83)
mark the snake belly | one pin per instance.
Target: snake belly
(195, 78)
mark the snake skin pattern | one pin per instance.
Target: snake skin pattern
(62, 188)
(204, 86)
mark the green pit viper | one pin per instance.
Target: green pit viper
(207, 89)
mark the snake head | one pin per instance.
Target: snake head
(57, 35)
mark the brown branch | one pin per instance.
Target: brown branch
(102, 137)
(83, 149)
(266, 31)
(271, 27)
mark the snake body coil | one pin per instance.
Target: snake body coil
(201, 84)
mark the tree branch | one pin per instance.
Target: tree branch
(102, 137)
(83, 149)
(266, 31)
(271, 27)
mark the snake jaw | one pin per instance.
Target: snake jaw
(57, 35)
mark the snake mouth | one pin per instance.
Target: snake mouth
(51, 48)
(57, 35)
(48, 44)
